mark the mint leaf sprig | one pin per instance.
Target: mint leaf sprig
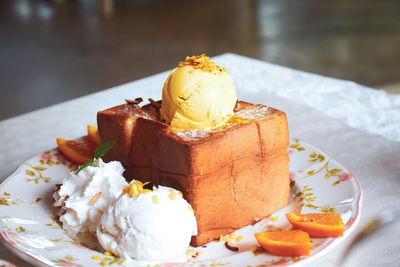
(100, 151)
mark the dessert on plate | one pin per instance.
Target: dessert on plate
(201, 164)
(229, 158)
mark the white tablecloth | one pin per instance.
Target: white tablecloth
(357, 126)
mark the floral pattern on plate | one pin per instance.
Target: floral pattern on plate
(29, 227)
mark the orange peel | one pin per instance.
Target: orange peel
(318, 224)
(78, 151)
(94, 135)
(290, 243)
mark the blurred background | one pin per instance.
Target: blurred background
(56, 50)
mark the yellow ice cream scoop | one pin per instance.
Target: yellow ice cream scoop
(198, 94)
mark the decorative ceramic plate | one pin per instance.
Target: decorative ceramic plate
(29, 227)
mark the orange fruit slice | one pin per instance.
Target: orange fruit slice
(318, 224)
(285, 243)
(78, 151)
(94, 135)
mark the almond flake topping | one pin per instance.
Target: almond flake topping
(202, 63)
(155, 199)
(172, 195)
(231, 237)
(135, 189)
(94, 198)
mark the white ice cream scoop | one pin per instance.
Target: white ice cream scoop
(148, 224)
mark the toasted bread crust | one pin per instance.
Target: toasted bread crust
(230, 176)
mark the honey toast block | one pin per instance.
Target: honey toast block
(230, 176)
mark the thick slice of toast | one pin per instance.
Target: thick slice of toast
(230, 176)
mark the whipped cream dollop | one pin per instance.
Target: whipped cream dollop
(84, 196)
(148, 224)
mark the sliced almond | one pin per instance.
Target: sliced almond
(135, 101)
(94, 198)
(154, 103)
